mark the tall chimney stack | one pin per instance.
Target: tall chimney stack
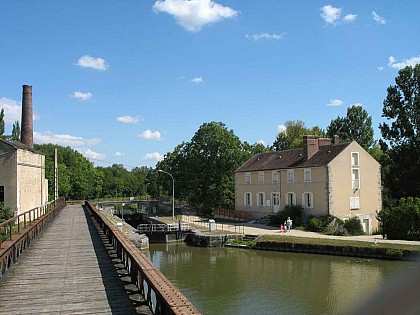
(27, 133)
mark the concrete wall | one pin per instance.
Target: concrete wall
(368, 193)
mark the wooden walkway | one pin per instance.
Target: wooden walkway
(68, 270)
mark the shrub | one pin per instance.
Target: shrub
(353, 226)
(314, 225)
(394, 253)
(294, 212)
(401, 220)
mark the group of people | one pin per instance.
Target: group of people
(287, 226)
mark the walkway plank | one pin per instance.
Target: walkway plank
(67, 270)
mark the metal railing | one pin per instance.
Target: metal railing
(171, 227)
(204, 224)
(160, 294)
(17, 233)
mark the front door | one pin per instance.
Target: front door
(275, 201)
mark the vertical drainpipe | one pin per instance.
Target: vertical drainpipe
(328, 191)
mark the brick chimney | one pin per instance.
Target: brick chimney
(27, 133)
(336, 139)
(324, 141)
(310, 146)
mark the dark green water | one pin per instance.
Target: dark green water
(239, 281)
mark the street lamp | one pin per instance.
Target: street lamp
(173, 194)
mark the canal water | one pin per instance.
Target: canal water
(232, 281)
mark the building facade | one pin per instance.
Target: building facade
(23, 185)
(324, 177)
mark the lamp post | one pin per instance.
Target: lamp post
(173, 194)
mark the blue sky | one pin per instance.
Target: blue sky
(126, 81)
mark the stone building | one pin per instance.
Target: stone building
(23, 185)
(324, 177)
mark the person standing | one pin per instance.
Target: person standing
(289, 224)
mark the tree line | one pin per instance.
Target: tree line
(203, 168)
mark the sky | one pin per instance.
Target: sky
(125, 82)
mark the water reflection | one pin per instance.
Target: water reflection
(238, 281)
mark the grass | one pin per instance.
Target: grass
(334, 242)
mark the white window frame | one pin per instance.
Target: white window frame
(354, 203)
(246, 203)
(355, 162)
(288, 199)
(261, 197)
(290, 176)
(307, 175)
(305, 199)
(275, 177)
(275, 196)
(355, 180)
(260, 177)
(248, 178)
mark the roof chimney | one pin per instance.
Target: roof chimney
(310, 146)
(336, 139)
(27, 134)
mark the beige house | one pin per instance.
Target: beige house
(23, 185)
(324, 177)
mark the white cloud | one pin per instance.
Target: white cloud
(194, 14)
(153, 156)
(330, 14)
(63, 140)
(90, 62)
(381, 68)
(281, 128)
(335, 102)
(91, 154)
(119, 153)
(265, 36)
(82, 96)
(378, 19)
(407, 62)
(150, 135)
(130, 119)
(350, 18)
(12, 110)
(197, 80)
(261, 142)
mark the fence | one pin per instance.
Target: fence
(233, 214)
(204, 224)
(19, 231)
(161, 296)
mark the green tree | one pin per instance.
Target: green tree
(16, 131)
(292, 136)
(401, 220)
(203, 168)
(402, 134)
(356, 126)
(5, 212)
(2, 128)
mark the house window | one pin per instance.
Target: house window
(308, 200)
(248, 199)
(355, 177)
(290, 176)
(291, 199)
(307, 175)
(247, 178)
(355, 159)
(354, 203)
(275, 177)
(261, 198)
(2, 194)
(261, 177)
(275, 197)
